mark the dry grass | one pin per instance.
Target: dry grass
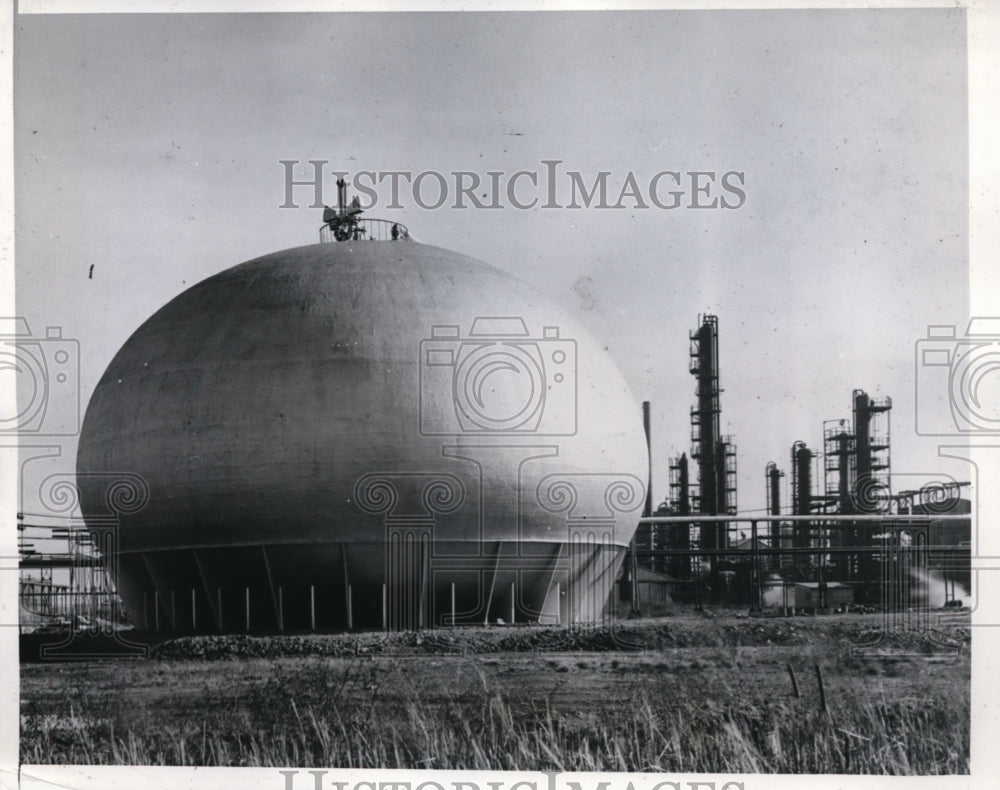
(635, 713)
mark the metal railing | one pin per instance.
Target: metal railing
(364, 230)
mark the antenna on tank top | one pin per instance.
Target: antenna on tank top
(345, 223)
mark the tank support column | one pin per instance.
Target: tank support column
(312, 607)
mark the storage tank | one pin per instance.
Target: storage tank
(364, 434)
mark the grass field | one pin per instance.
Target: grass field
(702, 695)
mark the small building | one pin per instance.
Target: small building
(810, 595)
(654, 588)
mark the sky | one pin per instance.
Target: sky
(149, 148)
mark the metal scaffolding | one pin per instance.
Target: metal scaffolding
(64, 579)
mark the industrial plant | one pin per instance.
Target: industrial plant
(842, 541)
(374, 433)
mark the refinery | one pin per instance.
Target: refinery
(373, 433)
(497, 394)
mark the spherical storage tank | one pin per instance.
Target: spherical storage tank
(364, 434)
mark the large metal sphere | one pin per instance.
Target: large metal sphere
(336, 434)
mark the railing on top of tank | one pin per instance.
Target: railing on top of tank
(364, 230)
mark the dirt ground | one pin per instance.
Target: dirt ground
(579, 669)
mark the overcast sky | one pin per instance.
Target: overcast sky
(148, 147)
